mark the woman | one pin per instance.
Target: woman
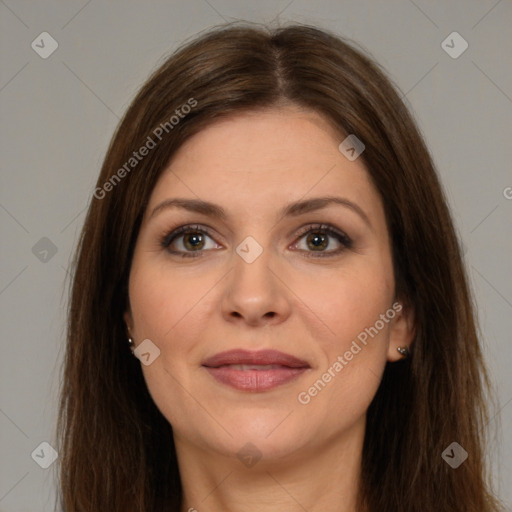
(270, 240)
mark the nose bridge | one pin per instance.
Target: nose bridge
(254, 288)
(252, 261)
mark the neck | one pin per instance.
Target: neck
(324, 477)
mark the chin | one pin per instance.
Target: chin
(266, 431)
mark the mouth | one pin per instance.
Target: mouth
(254, 371)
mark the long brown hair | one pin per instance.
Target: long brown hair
(116, 448)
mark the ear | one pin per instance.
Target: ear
(128, 320)
(401, 330)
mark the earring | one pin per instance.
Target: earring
(404, 351)
(130, 343)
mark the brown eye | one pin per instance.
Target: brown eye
(319, 238)
(193, 241)
(188, 239)
(317, 241)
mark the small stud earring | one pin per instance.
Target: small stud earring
(130, 342)
(404, 351)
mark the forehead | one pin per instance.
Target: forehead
(260, 160)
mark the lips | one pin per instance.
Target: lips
(259, 358)
(254, 371)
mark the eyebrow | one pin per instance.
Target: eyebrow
(291, 210)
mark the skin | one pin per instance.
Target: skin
(252, 165)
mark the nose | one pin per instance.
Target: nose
(255, 294)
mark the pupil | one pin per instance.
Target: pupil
(317, 240)
(196, 239)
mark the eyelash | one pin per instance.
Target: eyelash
(325, 229)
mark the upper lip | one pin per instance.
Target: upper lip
(260, 357)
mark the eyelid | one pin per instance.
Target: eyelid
(322, 227)
(185, 228)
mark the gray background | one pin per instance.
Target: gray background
(58, 114)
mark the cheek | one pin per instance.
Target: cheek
(160, 299)
(163, 304)
(348, 301)
(355, 348)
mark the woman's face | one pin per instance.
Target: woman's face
(309, 313)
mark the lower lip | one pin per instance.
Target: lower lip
(255, 380)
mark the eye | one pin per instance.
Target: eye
(187, 240)
(191, 241)
(318, 238)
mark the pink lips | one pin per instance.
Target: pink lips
(254, 371)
